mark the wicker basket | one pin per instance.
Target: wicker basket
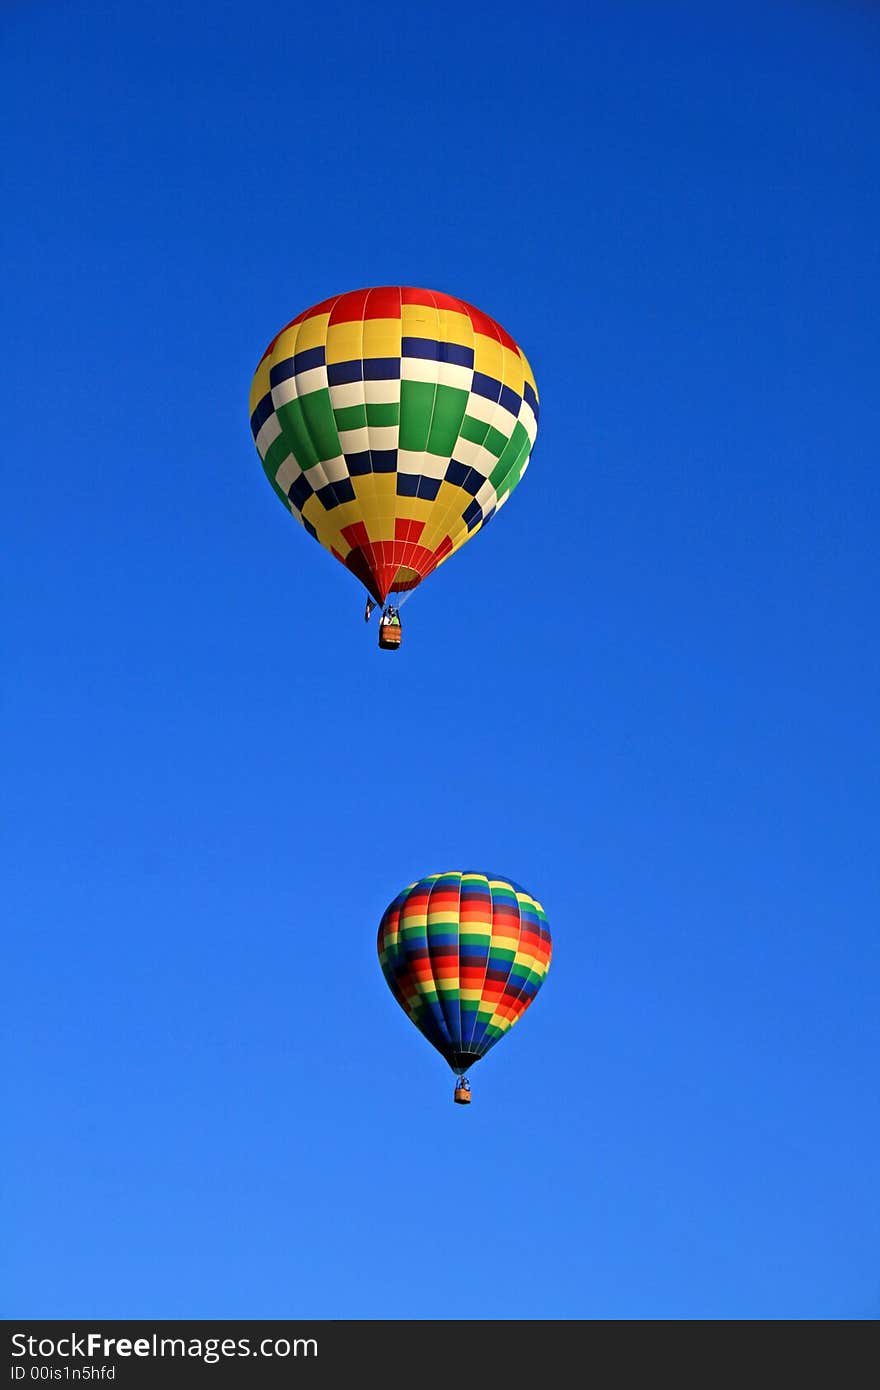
(389, 636)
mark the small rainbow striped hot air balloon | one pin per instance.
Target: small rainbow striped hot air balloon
(393, 423)
(464, 955)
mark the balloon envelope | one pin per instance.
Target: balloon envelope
(393, 423)
(464, 955)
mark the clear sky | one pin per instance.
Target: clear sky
(649, 692)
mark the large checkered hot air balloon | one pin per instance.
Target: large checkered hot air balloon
(393, 423)
(464, 955)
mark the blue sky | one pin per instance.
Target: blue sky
(648, 692)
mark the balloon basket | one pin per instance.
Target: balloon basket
(462, 1095)
(389, 637)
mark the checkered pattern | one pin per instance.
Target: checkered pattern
(394, 423)
(464, 955)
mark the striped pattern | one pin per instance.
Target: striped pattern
(464, 955)
(393, 423)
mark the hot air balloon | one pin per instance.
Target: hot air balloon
(464, 955)
(394, 423)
